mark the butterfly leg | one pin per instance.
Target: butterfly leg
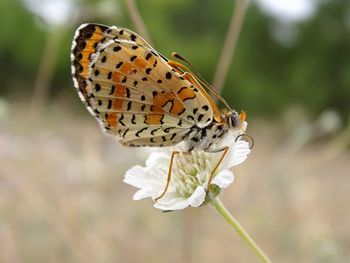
(169, 175)
(224, 150)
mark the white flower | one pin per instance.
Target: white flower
(190, 174)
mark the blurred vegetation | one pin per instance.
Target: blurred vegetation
(269, 73)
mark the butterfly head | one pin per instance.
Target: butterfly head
(237, 122)
(235, 119)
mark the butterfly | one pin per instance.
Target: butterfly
(144, 99)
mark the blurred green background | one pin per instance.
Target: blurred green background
(61, 192)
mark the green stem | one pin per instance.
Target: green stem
(239, 229)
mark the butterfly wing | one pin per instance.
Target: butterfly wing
(87, 40)
(131, 89)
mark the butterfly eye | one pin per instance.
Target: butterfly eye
(235, 120)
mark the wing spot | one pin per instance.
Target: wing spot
(133, 119)
(97, 72)
(148, 56)
(109, 104)
(143, 97)
(124, 79)
(189, 117)
(135, 83)
(172, 136)
(126, 131)
(112, 90)
(180, 90)
(104, 59)
(137, 133)
(159, 81)
(154, 130)
(132, 58)
(195, 139)
(129, 106)
(167, 130)
(97, 87)
(127, 92)
(200, 117)
(109, 76)
(133, 37)
(119, 65)
(135, 47)
(190, 98)
(117, 48)
(205, 107)
(148, 71)
(144, 79)
(121, 120)
(168, 75)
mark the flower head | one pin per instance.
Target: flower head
(189, 176)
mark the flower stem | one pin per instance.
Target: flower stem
(239, 229)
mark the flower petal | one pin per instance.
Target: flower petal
(143, 193)
(158, 158)
(173, 204)
(135, 176)
(223, 179)
(197, 198)
(237, 154)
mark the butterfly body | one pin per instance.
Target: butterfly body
(138, 96)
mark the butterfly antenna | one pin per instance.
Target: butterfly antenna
(199, 77)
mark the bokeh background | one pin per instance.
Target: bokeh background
(61, 193)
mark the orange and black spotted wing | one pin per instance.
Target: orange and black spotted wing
(131, 89)
(87, 40)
